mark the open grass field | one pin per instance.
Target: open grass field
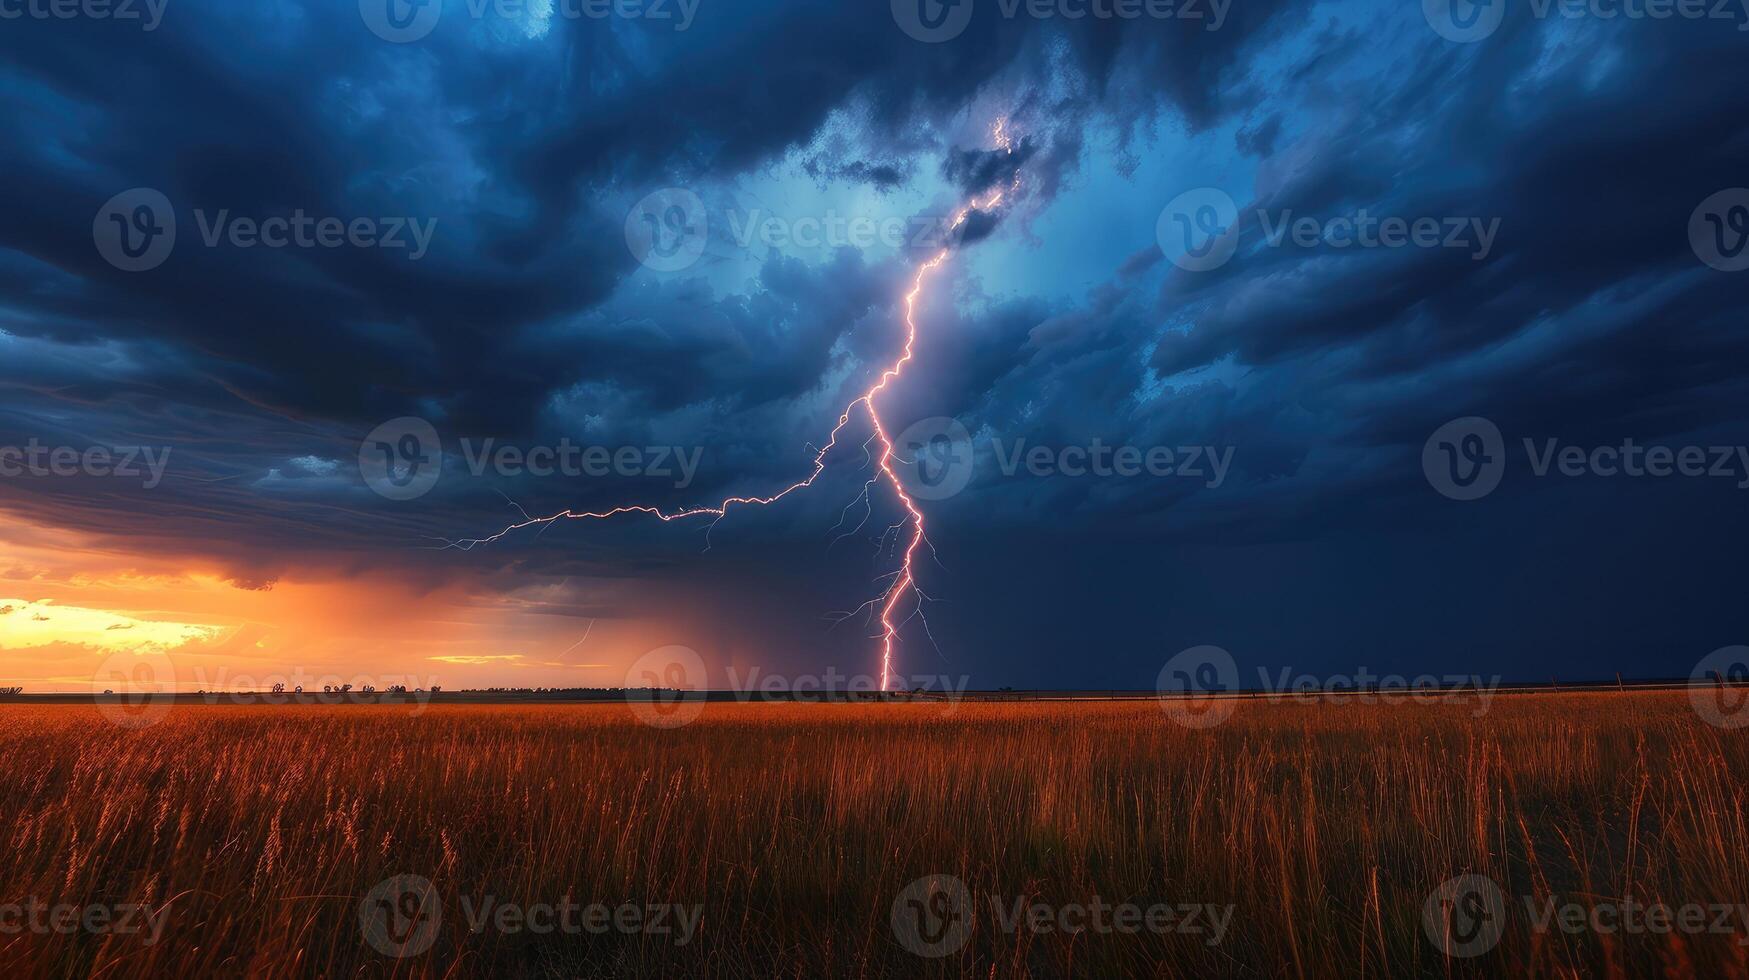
(785, 839)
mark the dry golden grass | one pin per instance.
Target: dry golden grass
(256, 832)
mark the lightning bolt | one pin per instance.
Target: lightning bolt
(904, 580)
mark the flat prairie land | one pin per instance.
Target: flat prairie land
(879, 840)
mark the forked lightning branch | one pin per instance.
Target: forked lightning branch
(901, 600)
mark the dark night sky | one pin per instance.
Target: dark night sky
(528, 135)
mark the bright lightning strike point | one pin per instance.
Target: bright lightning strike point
(904, 580)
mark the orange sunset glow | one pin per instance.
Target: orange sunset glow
(69, 602)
